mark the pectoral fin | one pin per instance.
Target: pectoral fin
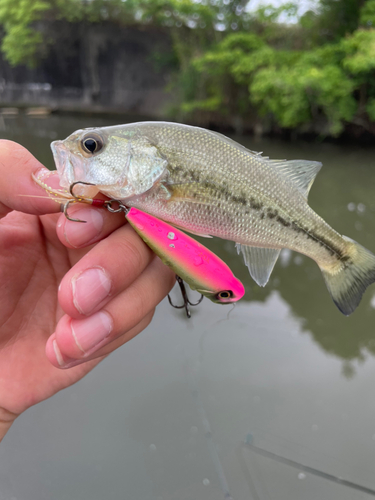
(260, 261)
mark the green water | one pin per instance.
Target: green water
(166, 417)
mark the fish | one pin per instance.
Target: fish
(207, 184)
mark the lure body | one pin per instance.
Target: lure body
(200, 268)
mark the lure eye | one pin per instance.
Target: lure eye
(224, 294)
(92, 144)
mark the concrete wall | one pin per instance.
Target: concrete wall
(90, 66)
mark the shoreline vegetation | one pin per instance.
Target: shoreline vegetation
(212, 63)
(347, 136)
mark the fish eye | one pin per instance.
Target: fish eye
(225, 294)
(92, 144)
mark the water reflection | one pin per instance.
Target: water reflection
(253, 374)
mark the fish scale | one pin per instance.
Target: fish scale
(205, 183)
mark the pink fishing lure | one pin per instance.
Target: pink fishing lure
(193, 262)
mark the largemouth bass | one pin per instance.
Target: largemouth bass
(207, 184)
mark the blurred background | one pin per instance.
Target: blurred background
(304, 68)
(274, 398)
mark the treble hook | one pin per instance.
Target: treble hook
(76, 200)
(72, 186)
(65, 210)
(185, 298)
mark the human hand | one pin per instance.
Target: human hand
(68, 297)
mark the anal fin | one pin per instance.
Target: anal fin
(260, 261)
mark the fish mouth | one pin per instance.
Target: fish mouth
(71, 169)
(63, 163)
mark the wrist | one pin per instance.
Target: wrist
(6, 420)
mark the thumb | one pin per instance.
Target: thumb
(18, 190)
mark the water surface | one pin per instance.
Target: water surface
(180, 412)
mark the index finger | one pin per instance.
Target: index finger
(17, 165)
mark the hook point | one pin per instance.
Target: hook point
(185, 297)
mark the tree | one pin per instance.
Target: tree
(338, 18)
(316, 74)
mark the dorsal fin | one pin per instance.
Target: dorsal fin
(260, 261)
(301, 172)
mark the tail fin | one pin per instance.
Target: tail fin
(347, 284)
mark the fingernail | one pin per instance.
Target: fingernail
(58, 354)
(90, 332)
(90, 288)
(63, 361)
(78, 233)
(49, 177)
(42, 173)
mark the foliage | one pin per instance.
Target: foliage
(271, 14)
(317, 72)
(21, 41)
(331, 83)
(359, 52)
(338, 18)
(367, 14)
(24, 41)
(295, 87)
(297, 95)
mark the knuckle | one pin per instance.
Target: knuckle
(148, 318)
(7, 416)
(137, 254)
(169, 276)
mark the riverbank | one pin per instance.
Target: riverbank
(226, 125)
